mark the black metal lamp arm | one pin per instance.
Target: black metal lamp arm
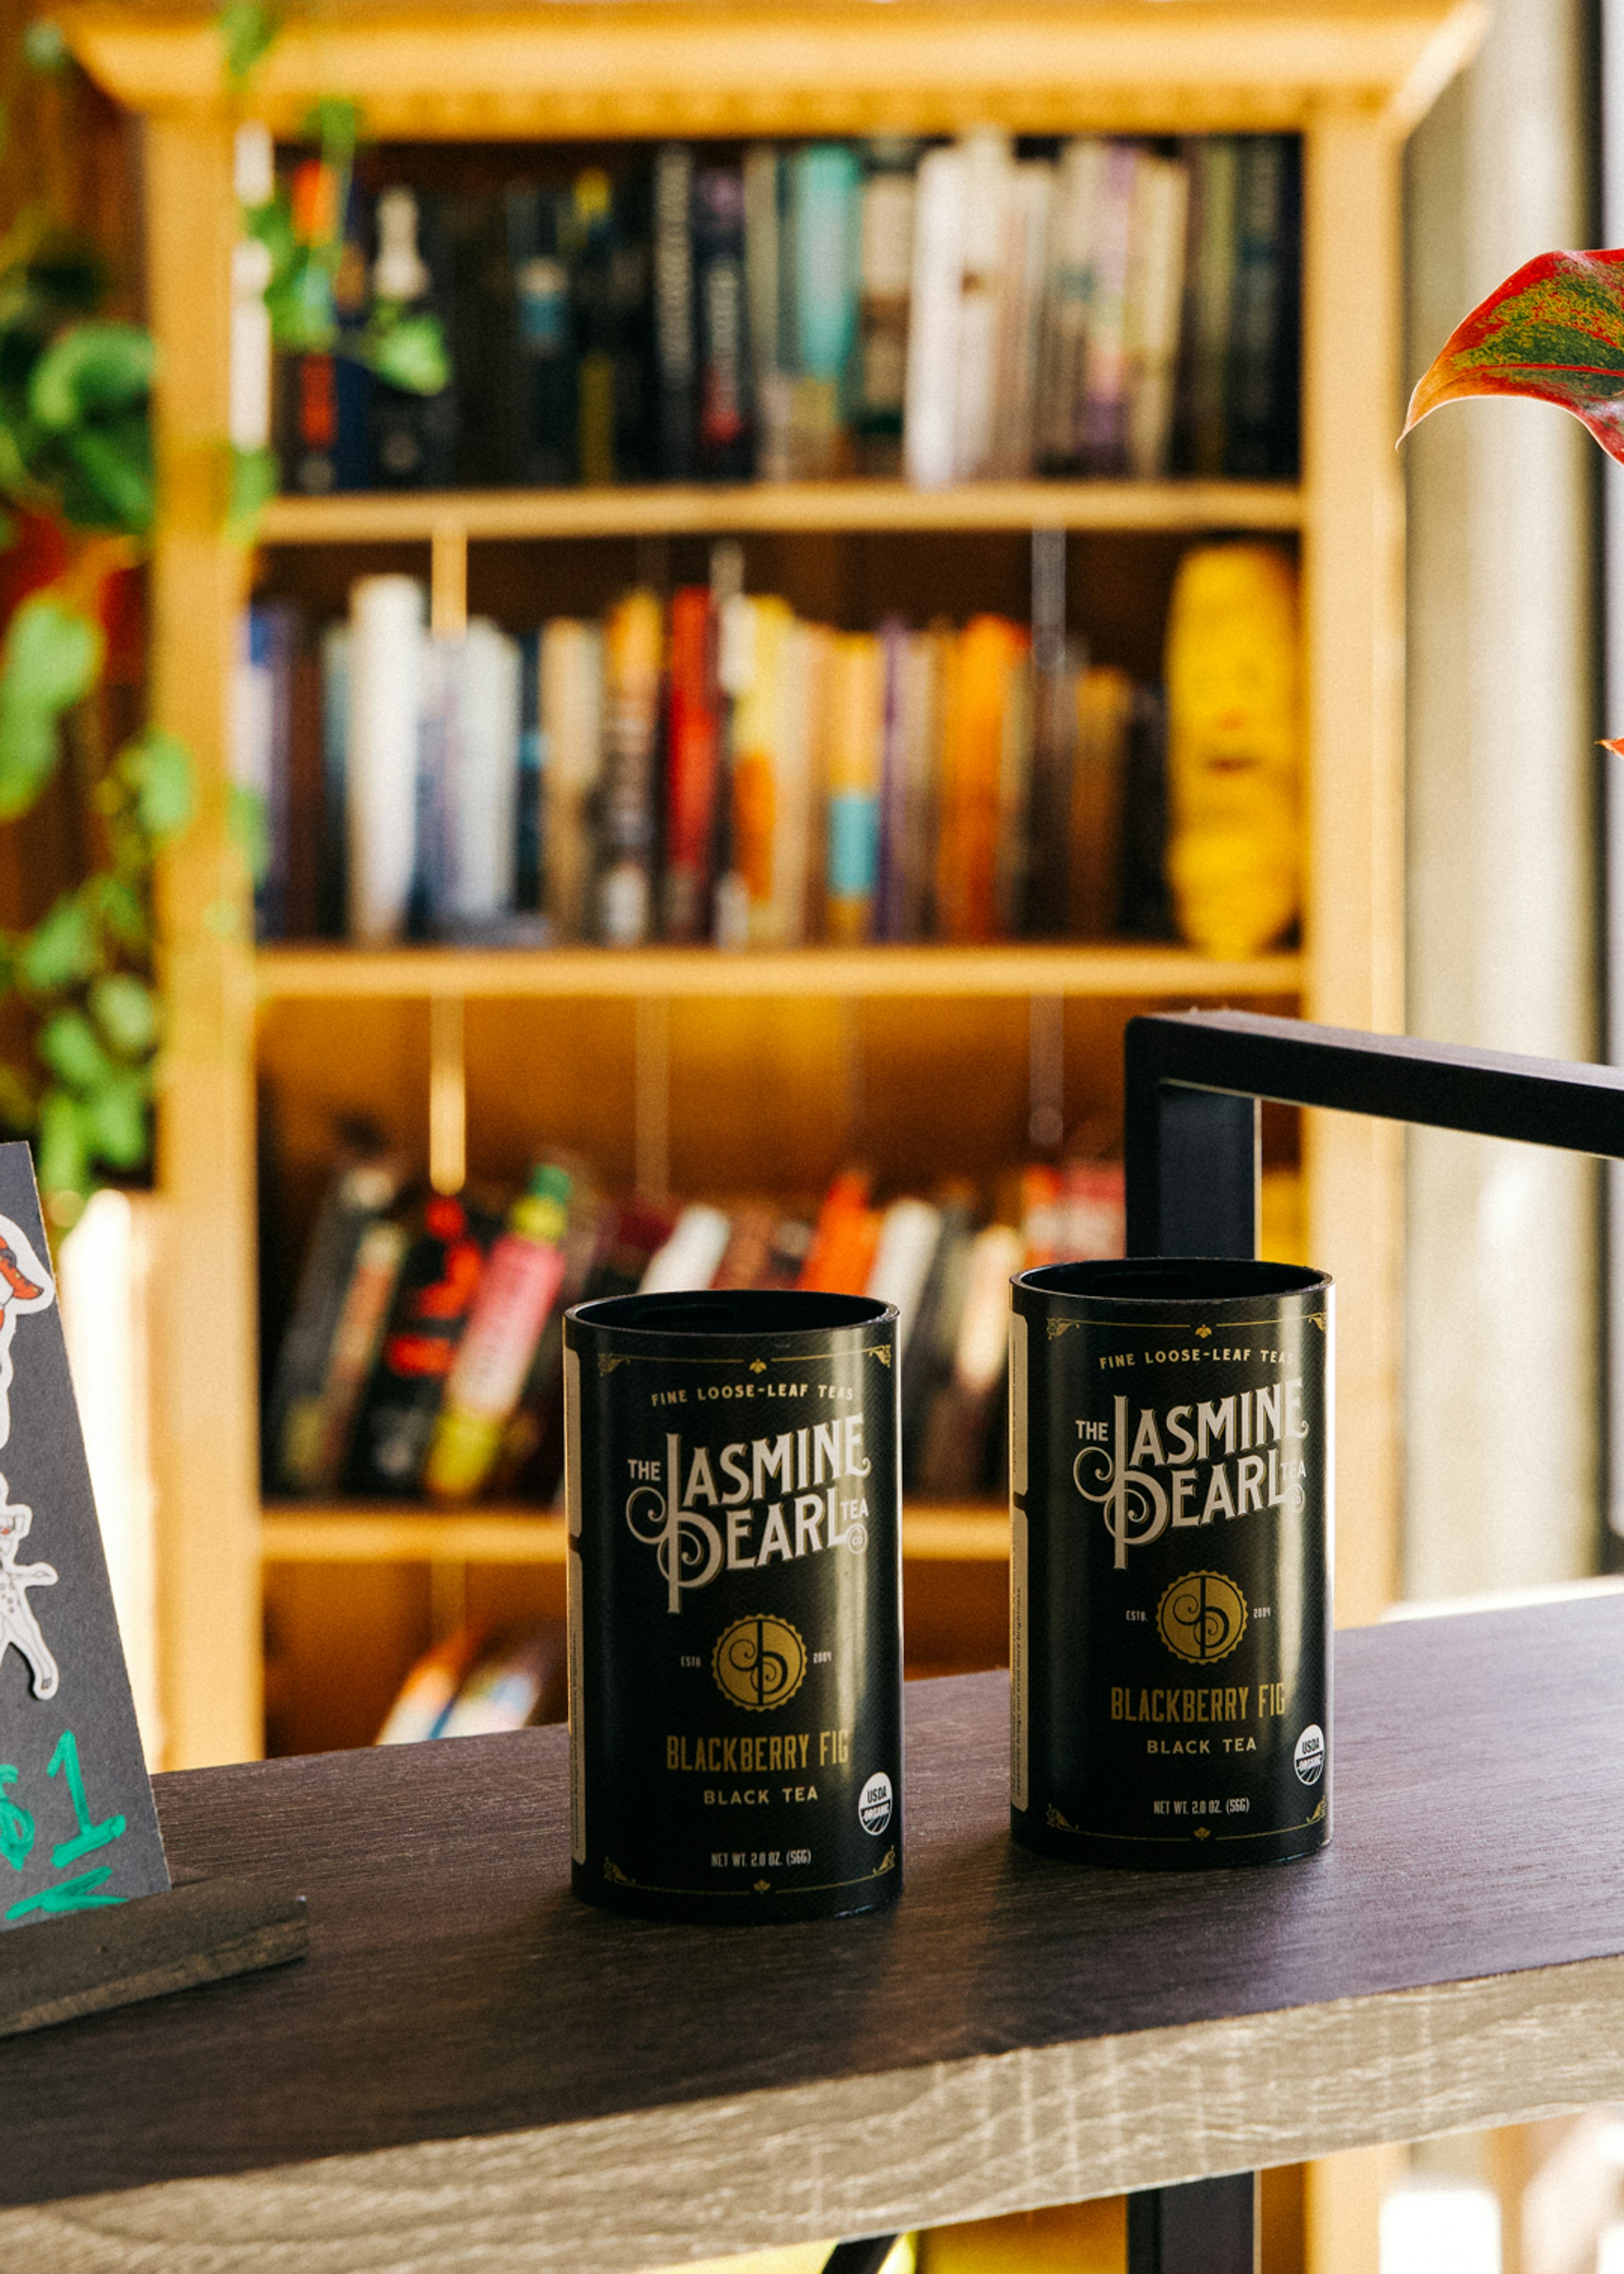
(1194, 1079)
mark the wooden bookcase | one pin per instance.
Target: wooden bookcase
(1352, 76)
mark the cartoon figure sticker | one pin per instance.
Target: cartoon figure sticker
(78, 1828)
(25, 1286)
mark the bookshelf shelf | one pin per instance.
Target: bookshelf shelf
(307, 1533)
(346, 973)
(371, 517)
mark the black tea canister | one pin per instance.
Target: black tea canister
(1171, 1447)
(735, 1617)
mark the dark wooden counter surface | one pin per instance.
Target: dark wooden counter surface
(473, 2069)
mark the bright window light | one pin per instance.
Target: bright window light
(1424, 2229)
(1610, 2255)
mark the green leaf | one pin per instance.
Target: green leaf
(44, 48)
(69, 1046)
(250, 827)
(88, 369)
(158, 768)
(116, 1121)
(63, 1155)
(121, 911)
(49, 660)
(126, 1010)
(408, 352)
(335, 122)
(1553, 331)
(115, 461)
(248, 29)
(256, 477)
(62, 949)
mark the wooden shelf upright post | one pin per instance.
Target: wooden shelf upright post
(204, 1372)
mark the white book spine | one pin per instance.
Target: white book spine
(690, 1258)
(909, 1231)
(930, 426)
(386, 682)
(485, 802)
(988, 183)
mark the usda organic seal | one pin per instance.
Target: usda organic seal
(874, 1803)
(1309, 1758)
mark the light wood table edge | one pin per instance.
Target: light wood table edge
(863, 2154)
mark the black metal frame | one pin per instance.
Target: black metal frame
(1195, 1081)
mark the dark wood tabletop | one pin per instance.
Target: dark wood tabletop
(1430, 1967)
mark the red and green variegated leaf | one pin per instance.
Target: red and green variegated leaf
(1555, 331)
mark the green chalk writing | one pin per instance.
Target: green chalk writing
(16, 1824)
(90, 1836)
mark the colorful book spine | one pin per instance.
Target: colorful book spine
(543, 328)
(352, 1204)
(761, 632)
(1260, 422)
(797, 805)
(973, 769)
(413, 435)
(572, 727)
(386, 658)
(845, 1239)
(634, 653)
(886, 267)
(1067, 305)
(826, 193)
(889, 909)
(1018, 322)
(380, 1254)
(674, 345)
(333, 848)
(722, 308)
(531, 791)
(1214, 170)
(691, 762)
(517, 1289)
(1099, 776)
(434, 1295)
(1155, 299)
(1105, 363)
(596, 327)
(855, 727)
(767, 240)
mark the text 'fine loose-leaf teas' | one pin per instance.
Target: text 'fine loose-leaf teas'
(735, 1632)
(1171, 1507)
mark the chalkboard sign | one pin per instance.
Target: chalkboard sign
(77, 1832)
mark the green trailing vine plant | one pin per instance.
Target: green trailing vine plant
(77, 491)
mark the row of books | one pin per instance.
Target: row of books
(967, 309)
(425, 1352)
(711, 769)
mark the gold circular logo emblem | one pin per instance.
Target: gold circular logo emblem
(759, 1663)
(1201, 1617)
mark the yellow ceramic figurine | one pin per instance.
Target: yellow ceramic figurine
(1234, 747)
